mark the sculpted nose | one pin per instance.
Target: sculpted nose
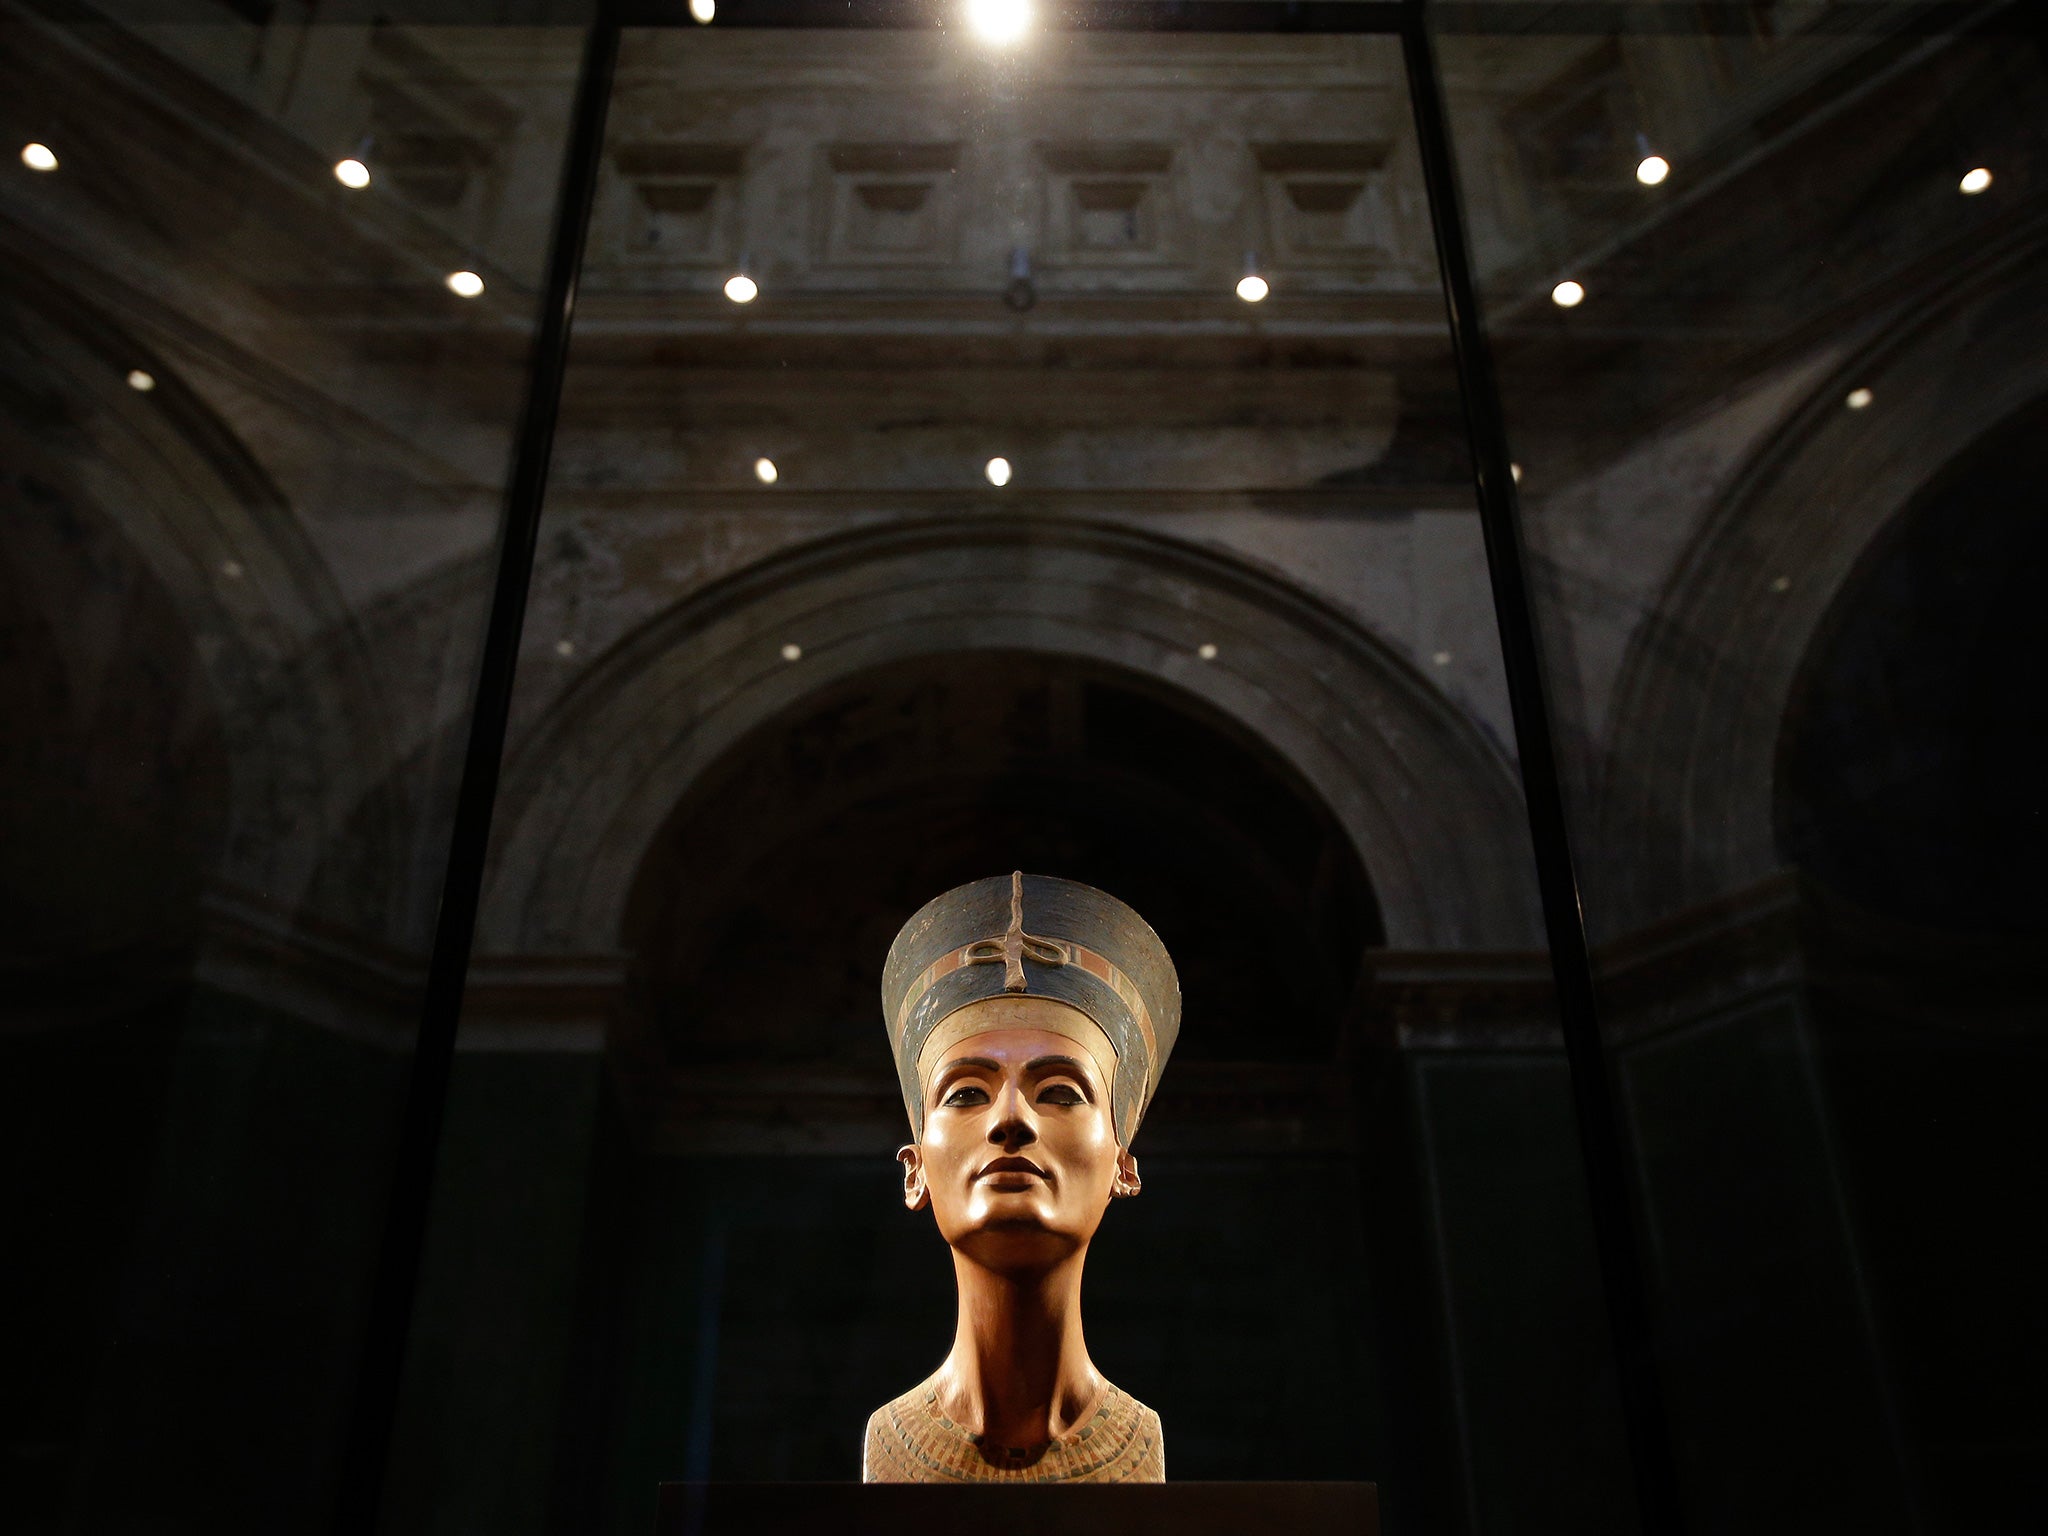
(1013, 1127)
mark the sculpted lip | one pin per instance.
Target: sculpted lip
(1011, 1165)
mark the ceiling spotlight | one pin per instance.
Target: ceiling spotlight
(792, 652)
(998, 471)
(352, 173)
(1856, 399)
(40, 157)
(1206, 651)
(1568, 294)
(464, 284)
(999, 21)
(142, 383)
(741, 288)
(703, 10)
(1974, 181)
(1252, 287)
(1651, 167)
(765, 471)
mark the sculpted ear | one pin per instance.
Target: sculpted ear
(1126, 1183)
(915, 1195)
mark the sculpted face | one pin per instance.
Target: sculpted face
(1019, 1157)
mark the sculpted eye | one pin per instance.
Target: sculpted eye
(966, 1096)
(1061, 1093)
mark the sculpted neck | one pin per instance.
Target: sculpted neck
(1019, 1373)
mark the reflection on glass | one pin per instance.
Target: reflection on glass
(251, 463)
(1788, 547)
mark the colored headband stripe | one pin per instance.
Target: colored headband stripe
(1078, 955)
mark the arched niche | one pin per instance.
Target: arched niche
(1909, 763)
(1686, 793)
(1428, 806)
(759, 919)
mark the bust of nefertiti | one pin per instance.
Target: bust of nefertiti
(1030, 1019)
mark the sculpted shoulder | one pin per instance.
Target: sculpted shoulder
(910, 1440)
(888, 1450)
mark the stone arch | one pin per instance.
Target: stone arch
(381, 872)
(1684, 803)
(1428, 803)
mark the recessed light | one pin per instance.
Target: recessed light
(464, 284)
(1568, 294)
(998, 471)
(140, 381)
(766, 472)
(1252, 288)
(999, 21)
(39, 157)
(703, 10)
(1206, 651)
(352, 173)
(1857, 399)
(792, 652)
(1974, 181)
(741, 288)
(1652, 169)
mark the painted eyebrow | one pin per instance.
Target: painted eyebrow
(1074, 1069)
(958, 1067)
(1036, 1064)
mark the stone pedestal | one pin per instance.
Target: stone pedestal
(1080, 1509)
